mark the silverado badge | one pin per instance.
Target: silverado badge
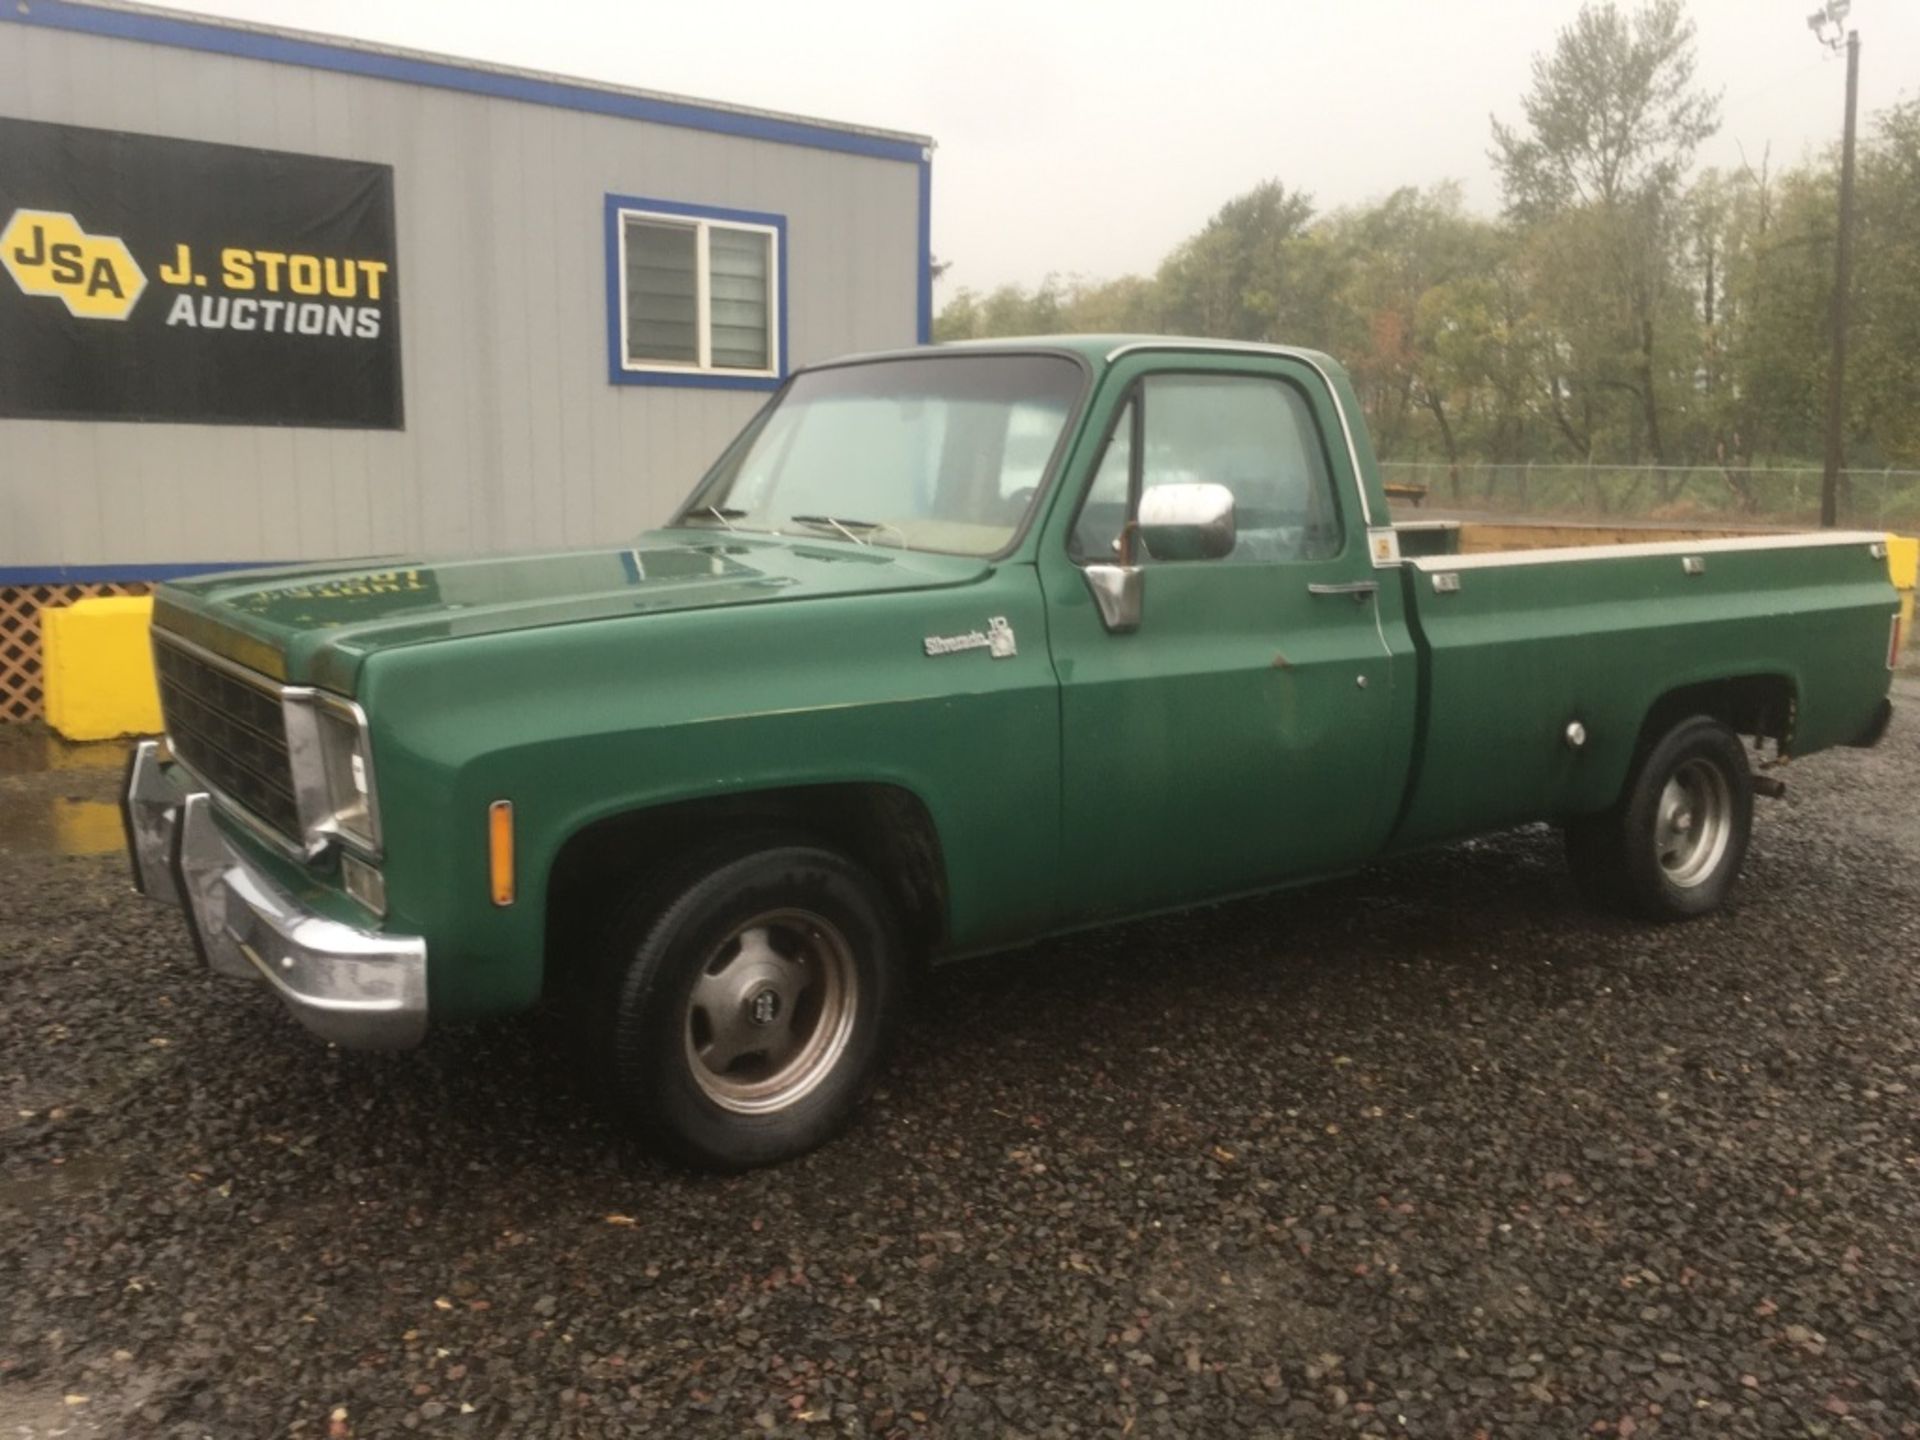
(996, 640)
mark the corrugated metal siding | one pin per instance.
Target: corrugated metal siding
(514, 435)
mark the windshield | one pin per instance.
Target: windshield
(940, 453)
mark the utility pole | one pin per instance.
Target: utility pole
(1831, 17)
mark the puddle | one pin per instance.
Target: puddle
(31, 750)
(61, 826)
(55, 1182)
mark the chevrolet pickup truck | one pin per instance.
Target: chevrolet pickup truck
(953, 648)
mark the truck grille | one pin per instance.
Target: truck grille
(230, 733)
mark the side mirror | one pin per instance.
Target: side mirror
(1177, 522)
(1187, 522)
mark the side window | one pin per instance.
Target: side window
(1104, 512)
(1256, 437)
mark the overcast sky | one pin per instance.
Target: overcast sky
(1087, 138)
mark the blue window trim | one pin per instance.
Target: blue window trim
(198, 34)
(617, 371)
(151, 570)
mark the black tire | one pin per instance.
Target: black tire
(1666, 853)
(828, 924)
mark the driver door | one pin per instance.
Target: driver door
(1247, 731)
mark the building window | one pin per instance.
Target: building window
(696, 294)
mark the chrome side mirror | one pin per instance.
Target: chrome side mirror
(1187, 522)
(1176, 522)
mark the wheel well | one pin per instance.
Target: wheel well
(885, 828)
(1762, 706)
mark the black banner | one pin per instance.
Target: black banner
(155, 279)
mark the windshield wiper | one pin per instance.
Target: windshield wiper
(847, 528)
(726, 515)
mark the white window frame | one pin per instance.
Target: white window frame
(703, 304)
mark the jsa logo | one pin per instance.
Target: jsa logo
(47, 253)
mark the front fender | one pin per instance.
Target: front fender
(578, 724)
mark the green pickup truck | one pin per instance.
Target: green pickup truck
(952, 649)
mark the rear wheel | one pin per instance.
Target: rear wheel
(1673, 844)
(749, 1002)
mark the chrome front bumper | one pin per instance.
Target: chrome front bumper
(355, 988)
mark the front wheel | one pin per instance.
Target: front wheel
(1673, 844)
(750, 1002)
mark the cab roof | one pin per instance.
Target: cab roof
(1096, 350)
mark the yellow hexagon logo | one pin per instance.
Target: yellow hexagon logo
(95, 276)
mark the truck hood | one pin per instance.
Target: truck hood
(317, 624)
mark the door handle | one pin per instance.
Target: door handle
(1358, 589)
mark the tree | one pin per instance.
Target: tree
(1615, 312)
(1243, 276)
(1400, 252)
(1741, 292)
(1884, 383)
(1481, 342)
(1008, 310)
(1613, 116)
(1055, 306)
(1612, 121)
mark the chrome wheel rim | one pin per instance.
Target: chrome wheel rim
(770, 1013)
(1693, 824)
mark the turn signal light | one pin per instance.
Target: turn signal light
(1894, 639)
(500, 850)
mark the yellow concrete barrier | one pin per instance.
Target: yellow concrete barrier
(1903, 564)
(97, 668)
(1903, 560)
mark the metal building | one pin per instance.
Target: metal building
(271, 296)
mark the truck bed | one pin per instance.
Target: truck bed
(1514, 644)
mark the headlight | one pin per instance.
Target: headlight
(332, 757)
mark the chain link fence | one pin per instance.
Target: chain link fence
(1787, 497)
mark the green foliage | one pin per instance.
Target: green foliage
(1244, 275)
(1883, 370)
(1618, 312)
(1612, 121)
(1613, 116)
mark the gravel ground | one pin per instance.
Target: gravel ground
(1430, 1152)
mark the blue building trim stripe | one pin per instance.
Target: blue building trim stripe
(120, 574)
(188, 34)
(926, 251)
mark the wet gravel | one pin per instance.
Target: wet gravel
(1430, 1152)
